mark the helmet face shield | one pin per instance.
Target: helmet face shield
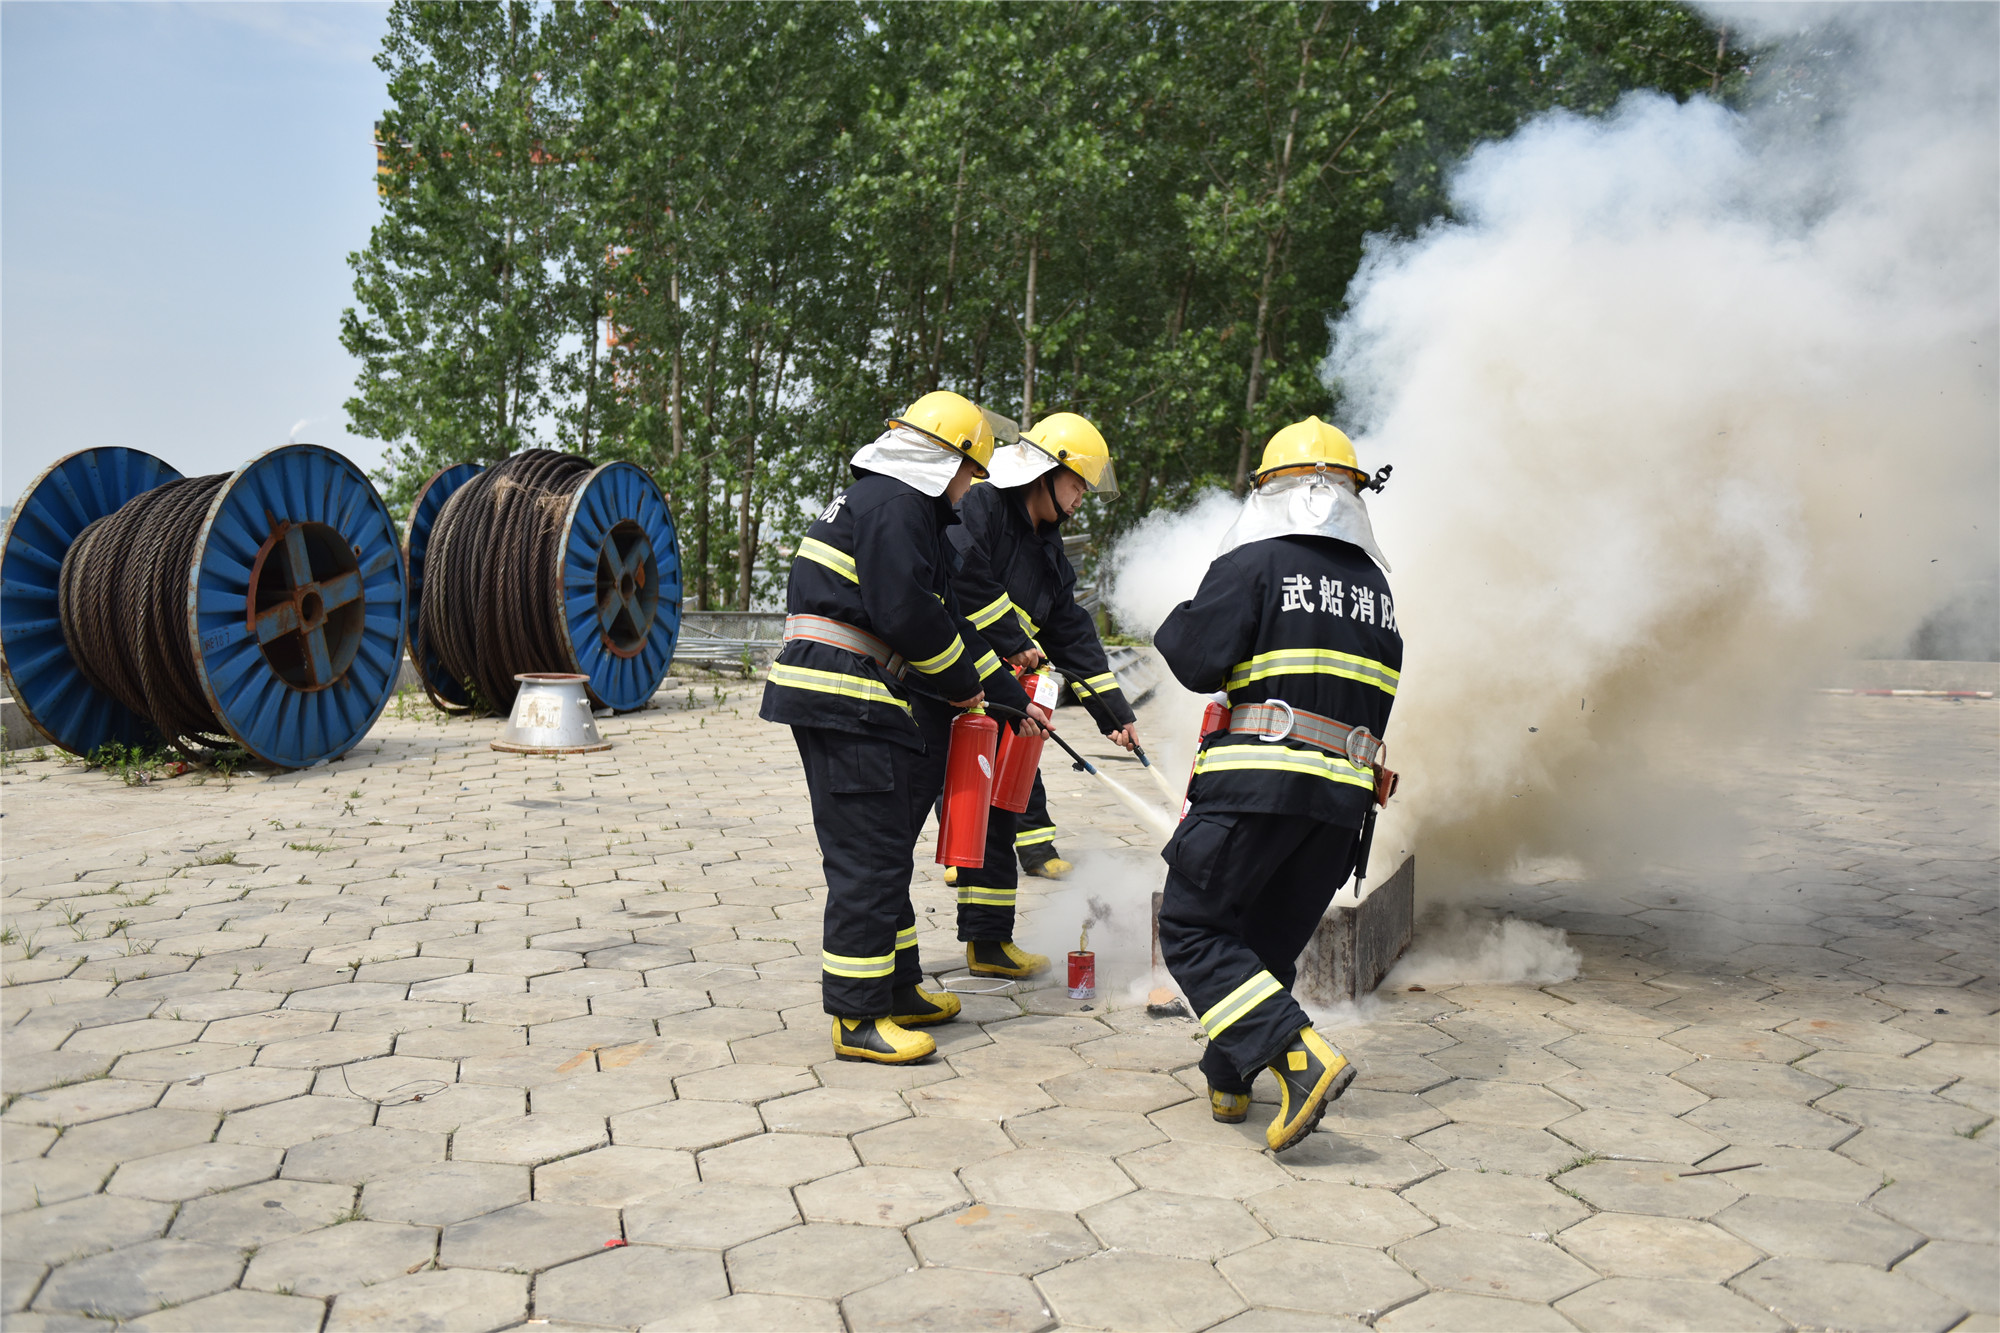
(1099, 477)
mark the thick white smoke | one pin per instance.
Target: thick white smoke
(1685, 404)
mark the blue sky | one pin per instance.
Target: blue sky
(180, 186)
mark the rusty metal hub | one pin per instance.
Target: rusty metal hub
(306, 605)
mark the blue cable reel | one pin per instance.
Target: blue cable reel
(294, 604)
(620, 594)
(42, 677)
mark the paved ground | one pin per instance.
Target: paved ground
(435, 1038)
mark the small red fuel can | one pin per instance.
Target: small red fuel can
(1082, 975)
(968, 790)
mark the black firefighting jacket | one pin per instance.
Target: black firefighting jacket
(1021, 590)
(1308, 620)
(877, 561)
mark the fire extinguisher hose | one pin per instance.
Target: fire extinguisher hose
(1082, 765)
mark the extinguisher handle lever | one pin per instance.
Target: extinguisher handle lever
(1082, 764)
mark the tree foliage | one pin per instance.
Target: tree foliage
(725, 240)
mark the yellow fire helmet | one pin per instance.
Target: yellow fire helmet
(1070, 441)
(1308, 445)
(954, 422)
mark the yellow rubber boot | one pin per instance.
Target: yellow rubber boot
(881, 1040)
(1003, 958)
(916, 1006)
(1053, 868)
(1231, 1108)
(1310, 1074)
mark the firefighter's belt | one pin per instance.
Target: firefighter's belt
(1275, 720)
(838, 634)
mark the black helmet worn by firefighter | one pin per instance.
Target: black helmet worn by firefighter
(1294, 620)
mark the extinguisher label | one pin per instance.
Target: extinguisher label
(985, 767)
(1047, 688)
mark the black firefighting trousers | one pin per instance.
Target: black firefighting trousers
(1034, 830)
(870, 798)
(986, 895)
(1244, 892)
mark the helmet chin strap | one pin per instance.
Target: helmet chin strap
(1049, 484)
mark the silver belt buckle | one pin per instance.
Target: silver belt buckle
(1291, 719)
(1360, 746)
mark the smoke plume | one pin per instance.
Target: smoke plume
(1683, 405)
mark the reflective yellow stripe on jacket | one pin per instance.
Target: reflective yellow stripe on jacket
(1099, 684)
(930, 666)
(834, 682)
(1260, 758)
(1315, 662)
(835, 559)
(988, 663)
(991, 612)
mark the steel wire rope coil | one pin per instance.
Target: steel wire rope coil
(542, 563)
(261, 608)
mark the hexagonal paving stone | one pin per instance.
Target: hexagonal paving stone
(236, 1311)
(1726, 1043)
(1624, 1303)
(1744, 1078)
(1818, 1294)
(1037, 1178)
(527, 1237)
(1347, 1214)
(1002, 1240)
(1816, 1229)
(140, 1278)
(820, 1259)
(1398, 1114)
(686, 1124)
(1643, 1187)
(1638, 1135)
(1116, 1090)
(978, 1099)
(633, 1284)
(1797, 1173)
(934, 1141)
(363, 1155)
(186, 1173)
(1957, 1272)
(80, 1226)
(1189, 1226)
(1509, 1148)
(445, 1192)
(744, 1083)
(1359, 1159)
(732, 1314)
(1961, 1211)
(1912, 1112)
(434, 1301)
(257, 1214)
(1139, 1291)
(82, 1102)
(615, 1177)
(1487, 1201)
(294, 1121)
(891, 1196)
(777, 1159)
(1634, 1245)
(1200, 1168)
(1908, 1156)
(1309, 1275)
(838, 1111)
(1455, 1311)
(947, 1300)
(711, 1215)
(1074, 1129)
(1486, 1263)
(1014, 1061)
(334, 1259)
(1620, 1091)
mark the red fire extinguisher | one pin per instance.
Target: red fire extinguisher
(1020, 757)
(968, 790)
(1214, 718)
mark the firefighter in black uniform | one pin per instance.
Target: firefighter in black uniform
(1019, 589)
(1294, 620)
(876, 660)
